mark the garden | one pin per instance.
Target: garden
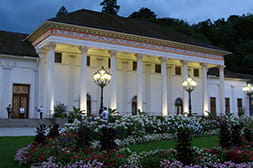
(91, 142)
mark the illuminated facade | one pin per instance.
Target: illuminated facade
(147, 71)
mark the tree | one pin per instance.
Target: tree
(110, 7)
(61, 12)
(144, 13)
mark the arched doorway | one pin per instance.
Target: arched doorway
(88, 105)
(179, 106)
(134, 105)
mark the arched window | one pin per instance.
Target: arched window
(88, 105)
(134, 105)
(179, 106)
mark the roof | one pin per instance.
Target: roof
(127, 25)
(228, 74)
(13, 44)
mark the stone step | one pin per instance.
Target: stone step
(30, 123)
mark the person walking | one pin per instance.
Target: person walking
(105, 114)
(9, 110)
(41, 110)
(21, 111)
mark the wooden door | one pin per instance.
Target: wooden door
(20, 99)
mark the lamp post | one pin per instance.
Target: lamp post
(189, 85)
(102, 78)
(248, 89)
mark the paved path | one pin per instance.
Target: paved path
(17, 131)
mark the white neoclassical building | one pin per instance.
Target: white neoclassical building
(148, 63)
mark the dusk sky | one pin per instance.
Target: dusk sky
(26, 15)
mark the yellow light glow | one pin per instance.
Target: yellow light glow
(189, 84)
(248, 89)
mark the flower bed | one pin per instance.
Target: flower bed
(97, 143)
(143, 124)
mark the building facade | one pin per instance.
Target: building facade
(147, 63)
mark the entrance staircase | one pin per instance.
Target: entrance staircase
(29, 123)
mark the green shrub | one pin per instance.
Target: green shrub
(40, 138)
(75, 114)
(60, 110)
(225, 135)
(185, 153)
(107, 138)
(54, 131)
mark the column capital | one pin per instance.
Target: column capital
(83, 49)
(113, 53)
(221, 66)
(41, 51)
(203, 65)
(163, 59)
(184, 62)
(139, 56)
(51, 45)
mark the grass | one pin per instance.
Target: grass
(8, 148)
(202, 142)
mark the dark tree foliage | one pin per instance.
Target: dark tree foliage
(175, 24)
(107, 138)
(234, 34)
(110, 7)
(54, 131)
(144, 14)
(40, 136)
(185, 153)
(62, 11)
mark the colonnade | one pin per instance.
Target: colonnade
(113, 102)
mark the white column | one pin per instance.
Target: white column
(164, 87)
(186, 95)
(6, 96)
(221, 90)
(139, 82)
(42, 81)
(204, 90)
(83, 78)
(114, 79)
(50, 77)
(233, 104)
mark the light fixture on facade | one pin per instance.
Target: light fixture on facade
(102, 78)
(189, 85)
(248, 89)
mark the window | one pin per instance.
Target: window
(134, 65)
(158, 68)
(88, 61)
(88, 105)
(134, 105)
(213, 105)
(227, 105)
(178, 70)
(109, 62)
(239, 106)
(179, 106)
(196, 72)
(58, 57)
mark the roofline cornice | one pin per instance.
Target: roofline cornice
(84, 29)
(18, 57)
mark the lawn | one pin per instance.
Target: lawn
(203, 142)
(8, 148)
